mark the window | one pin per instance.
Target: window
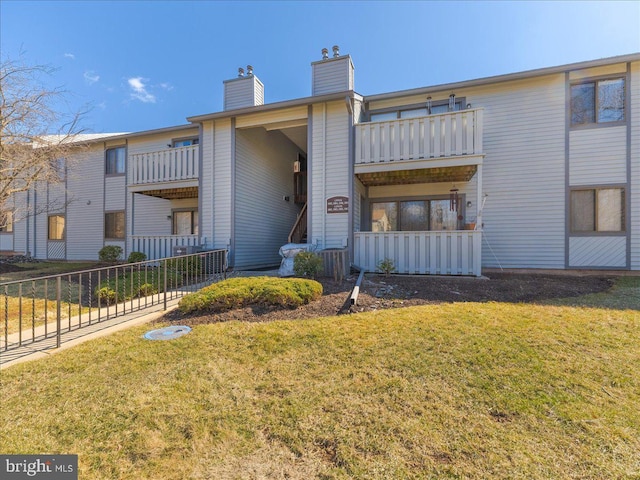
(115, 161)
(185, 222)
(416, 111)
(114, 225)
(56, 227)
(186, 142)
(6, 222)
(413, 215)
(600, 101)
(597, 210)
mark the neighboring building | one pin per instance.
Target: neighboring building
(538, 169)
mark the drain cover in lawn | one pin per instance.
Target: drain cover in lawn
(167, 333)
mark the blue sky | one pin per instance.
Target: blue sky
(141, 65)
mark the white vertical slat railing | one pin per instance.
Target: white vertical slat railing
(433, 136)
(454, 252)
(171, 164)
(161, 246)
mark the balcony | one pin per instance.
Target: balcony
(161, 246)
(452, 139)
(170, 168)
(454, 252)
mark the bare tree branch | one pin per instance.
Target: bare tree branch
(37, 139)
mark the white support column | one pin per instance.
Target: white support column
(477, 260)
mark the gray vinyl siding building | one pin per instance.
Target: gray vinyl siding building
(499, 155)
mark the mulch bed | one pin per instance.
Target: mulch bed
(379, 292)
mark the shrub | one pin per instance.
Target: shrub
(386, 266)
(110, 253)
(147, 289)
(242, 292)
(135, 257)
(307, 264)
(106, 295)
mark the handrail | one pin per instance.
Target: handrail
(300, 227)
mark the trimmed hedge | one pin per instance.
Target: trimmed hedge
(242, 292)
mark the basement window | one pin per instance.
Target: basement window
(6, 221)
(114, 225)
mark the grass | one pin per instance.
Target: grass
(241, 292)
(463, 390)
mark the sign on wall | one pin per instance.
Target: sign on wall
(338, 205)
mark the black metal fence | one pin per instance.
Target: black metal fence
(45, 307)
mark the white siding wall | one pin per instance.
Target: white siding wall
(85, 212)
(150, 215)
(598, 156)
(329, 165)
(523, 172)
(264, 174)
(332, 75)
(635, 165)
(523, 169)
(598, 252)
(243, 92)
(158, 141)
(215, 181)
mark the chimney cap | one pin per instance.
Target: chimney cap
(240, 72)
(325, 54)
(336, 51)
(249, 70)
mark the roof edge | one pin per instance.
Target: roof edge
(296, 102)
(507, 77)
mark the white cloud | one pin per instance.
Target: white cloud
(91, 77)
(140, 90)
(70, 55)
(166, 86)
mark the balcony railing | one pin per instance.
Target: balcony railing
(434, 136)
(161, 246)
(454, 252)
(169, 165)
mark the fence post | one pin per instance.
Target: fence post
(165, 284)
(58, 300)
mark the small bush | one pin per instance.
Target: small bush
(147, 289)
(106, 295)
(110, 253)
(241, 292)
(307, 264)
(386, 266)
(135, 257)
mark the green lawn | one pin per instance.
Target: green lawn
(462, 390)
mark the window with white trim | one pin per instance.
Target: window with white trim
(597, 210)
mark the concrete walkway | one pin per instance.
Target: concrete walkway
(43, 347)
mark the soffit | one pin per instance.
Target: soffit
(424, 175)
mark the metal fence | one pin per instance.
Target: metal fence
(41, 308)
